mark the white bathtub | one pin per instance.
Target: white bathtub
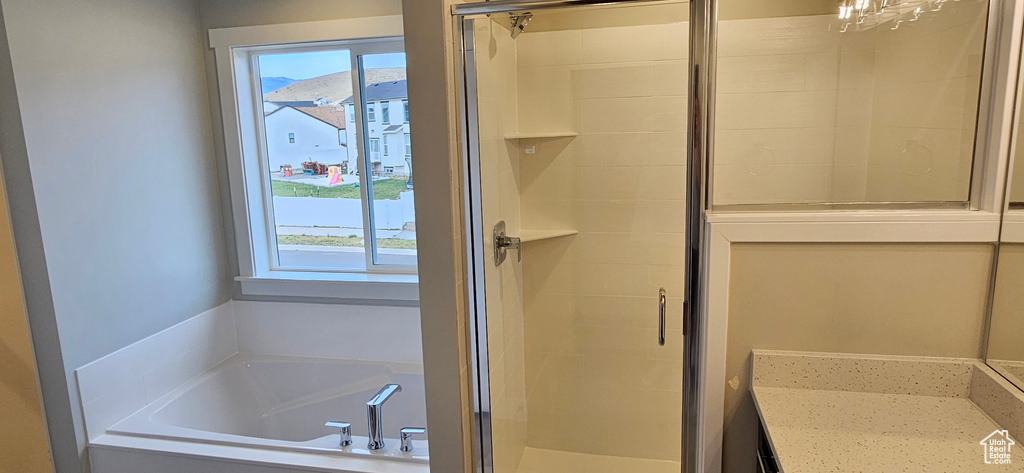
(282, 403)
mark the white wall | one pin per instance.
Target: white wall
(314, 140)
(108, 159)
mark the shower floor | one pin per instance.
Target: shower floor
(536, 460)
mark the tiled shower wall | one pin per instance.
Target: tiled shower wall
(927, 75)
(597, 381)
(499, 173)
(806, 113)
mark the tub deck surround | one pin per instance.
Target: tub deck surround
(851, 413)
(282, 403)
(252, 384)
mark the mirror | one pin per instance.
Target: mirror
(1005, 351)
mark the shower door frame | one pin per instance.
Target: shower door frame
(700, 105)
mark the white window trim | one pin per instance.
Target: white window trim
(242, 130)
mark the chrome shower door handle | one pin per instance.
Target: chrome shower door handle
(661, 316)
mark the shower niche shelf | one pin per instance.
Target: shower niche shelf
(536, 235)
(541, 135)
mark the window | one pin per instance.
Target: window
(408, 145)
(329, 206)
(375, 150)
(385, 145)
(405, 107)
(385, 113)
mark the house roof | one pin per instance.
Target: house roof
(393, 128)
(329, 115)
(384, 90)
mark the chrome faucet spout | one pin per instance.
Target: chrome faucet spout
(373, 412)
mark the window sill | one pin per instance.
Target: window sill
(361, 286)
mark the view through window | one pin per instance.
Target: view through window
(339, 201)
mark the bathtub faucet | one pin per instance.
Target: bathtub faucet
(373, 409)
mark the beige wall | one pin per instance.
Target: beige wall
(597, 382)
(806, 113)
(24, 446)
(896, 299)
(1006, 334)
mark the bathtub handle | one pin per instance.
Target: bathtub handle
(345, 429)
(406, 436)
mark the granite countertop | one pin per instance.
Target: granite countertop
(816, 424)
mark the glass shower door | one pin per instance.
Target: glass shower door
(577, 131)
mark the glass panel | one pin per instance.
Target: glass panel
(390, 177)
(316, 205)
(582, 126)
(855, 101)
(1006, 330)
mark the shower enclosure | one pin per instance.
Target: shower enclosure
(600, 136)
(577, 133)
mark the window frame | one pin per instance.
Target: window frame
(236, 53)
(385, 112)
(405, 110)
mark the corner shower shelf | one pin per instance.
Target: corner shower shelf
(535, 235)
(538, 135)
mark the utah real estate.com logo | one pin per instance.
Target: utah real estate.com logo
(997, 447)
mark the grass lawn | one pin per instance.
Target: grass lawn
(347, 241)
(384, 189)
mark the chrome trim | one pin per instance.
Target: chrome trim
(475, 248)
(508, 6)
(375, 427)
(700, 139)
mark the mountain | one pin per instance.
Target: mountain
(270, 84)
(333, 87)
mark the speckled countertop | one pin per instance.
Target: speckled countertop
(818, 425)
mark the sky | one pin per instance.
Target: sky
(300, 66)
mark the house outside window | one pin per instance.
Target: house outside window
(385, 113)
(335, 178)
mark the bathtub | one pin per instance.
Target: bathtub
(281, 403)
